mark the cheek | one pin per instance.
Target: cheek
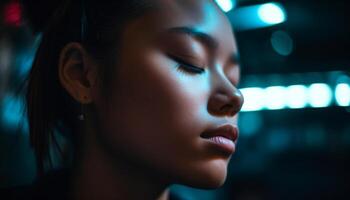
(155, 109)
(234, 75)
(156, 117)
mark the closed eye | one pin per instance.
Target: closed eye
(186, 67)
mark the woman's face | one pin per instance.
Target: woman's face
(157, 112)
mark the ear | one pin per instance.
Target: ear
(77, 73)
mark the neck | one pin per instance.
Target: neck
(101, 176)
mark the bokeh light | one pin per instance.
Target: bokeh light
(342, 94)
(320, 95)
(282, 43)
(257, 16)
(226, 5)
(275, 97)
(272, 13)
(13, 14)
(12, 111)
(317, 95)
(296, 96)
(253, 99)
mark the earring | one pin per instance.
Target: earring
(81, 116)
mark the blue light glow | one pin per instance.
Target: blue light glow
(278, 139)
(320, 95)
(272, 13)
(12, 111)
(282, 43)
(257, 16)
(253, 99)
(342, 94)
(296, 96)
(275, 97)
(317, 95)
(248, 128)
(226, 5)
(25, 59)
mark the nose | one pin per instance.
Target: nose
(225, 100)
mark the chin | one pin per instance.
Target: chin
(208, 182)
(212, 181)
(209, 176)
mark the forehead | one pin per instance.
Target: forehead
(204, 15)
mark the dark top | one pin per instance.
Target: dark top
(53, 186)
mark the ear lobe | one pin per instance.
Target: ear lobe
(73, 69)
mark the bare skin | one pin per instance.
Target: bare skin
(146, 135)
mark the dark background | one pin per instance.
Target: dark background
(282, 154)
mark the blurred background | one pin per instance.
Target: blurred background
(295, 123)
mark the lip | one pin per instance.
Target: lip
(222, 138)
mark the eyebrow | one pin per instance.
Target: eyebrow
(207, 39)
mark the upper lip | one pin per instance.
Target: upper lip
(227, 130)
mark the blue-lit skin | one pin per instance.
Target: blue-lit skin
(156, 114)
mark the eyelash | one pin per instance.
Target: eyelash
(186, 67)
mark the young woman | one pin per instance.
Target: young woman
(145, 90)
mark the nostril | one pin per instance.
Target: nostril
(230, 109)
(226, 102)
(226, 108)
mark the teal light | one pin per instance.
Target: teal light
(248, 128)
(282, 43)
(226, 5)
(257, 16)
(320, 95)
(253, 99)
(12, 111)
(278, 139)
(342, 94)
(271, 13)
(275, 97)
(296, 96)
(317, 95)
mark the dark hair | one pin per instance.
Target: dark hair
(97, 25)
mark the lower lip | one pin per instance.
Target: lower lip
(223, 144)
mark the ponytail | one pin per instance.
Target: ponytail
(47, 102)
